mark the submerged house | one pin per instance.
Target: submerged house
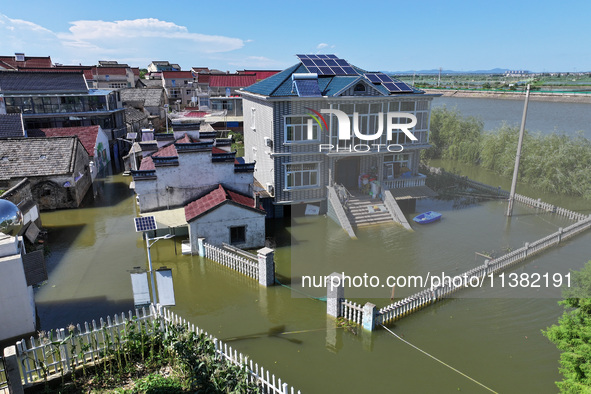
(195, 184)
(294, 123)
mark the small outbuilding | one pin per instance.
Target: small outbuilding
(225, 216)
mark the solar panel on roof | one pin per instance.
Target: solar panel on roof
(373, 78)
(315, 70)
(338, 70)
(349, 70)
(307, 88)
(307, 62)
(145, 223)
(384, 78)
(390, 86)
(403, 86)
(326, 65)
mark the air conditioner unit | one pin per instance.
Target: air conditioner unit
(271, 189)
(268, 142)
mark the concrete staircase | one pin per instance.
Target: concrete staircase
(365, 211)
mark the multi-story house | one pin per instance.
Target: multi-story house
(300, 148)
(62, 99)
(179, 87)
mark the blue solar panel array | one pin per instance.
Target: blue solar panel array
(307, 88)
(327, 65)
(389, 83)
(145, 223)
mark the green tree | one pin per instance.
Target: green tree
(572, 334)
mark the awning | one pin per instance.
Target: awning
(407, 193)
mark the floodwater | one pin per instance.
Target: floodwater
(491, 334)
(542, 116)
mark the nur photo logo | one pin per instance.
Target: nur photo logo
(347, 133)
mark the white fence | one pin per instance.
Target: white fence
(426, 297)
(352, 311)
(405, 182)
(268, 382)
(231, 260)
(56, 353)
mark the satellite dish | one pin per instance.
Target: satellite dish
(11, 218)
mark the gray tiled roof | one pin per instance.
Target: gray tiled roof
(25, 81)
(11, 125)
(21, 157)
(133, 115)
(150, 97)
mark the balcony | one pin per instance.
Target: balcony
(401, 182)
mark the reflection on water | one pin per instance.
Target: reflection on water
(495, 340)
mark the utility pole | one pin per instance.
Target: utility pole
(439, 80)
(518, 156)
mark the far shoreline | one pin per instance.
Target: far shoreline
(513, 95)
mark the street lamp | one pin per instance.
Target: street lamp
(149, 243)
(166, 115)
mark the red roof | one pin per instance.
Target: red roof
(147, 164)
(177, 74)
(203, 78)
(111, 70)
(235, 81)
(215, 198)
(260, 74)
(86, 134)
(30, 61)
(170, 150)
(136, 71)
(196, 114)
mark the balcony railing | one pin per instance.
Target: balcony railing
(401, 182)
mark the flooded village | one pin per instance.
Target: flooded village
(202, 199)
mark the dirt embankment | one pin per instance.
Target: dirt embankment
(534, 96)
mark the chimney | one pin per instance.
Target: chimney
(256, 200)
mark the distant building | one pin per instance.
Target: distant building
(19, 60)
(63, 99)
(162, 65)
(179, 87)
(516, 73)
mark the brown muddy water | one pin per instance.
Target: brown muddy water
(491, 334)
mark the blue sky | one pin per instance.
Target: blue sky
(231, 35)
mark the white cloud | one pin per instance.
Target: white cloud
(111, 34)
(88, 41)
(321, 46)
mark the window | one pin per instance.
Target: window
(237, 235)
(173, 82)
(301, 175)
(396, 165)
(107, 77)
(253, 125)
(359, 87)
(296, 129)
